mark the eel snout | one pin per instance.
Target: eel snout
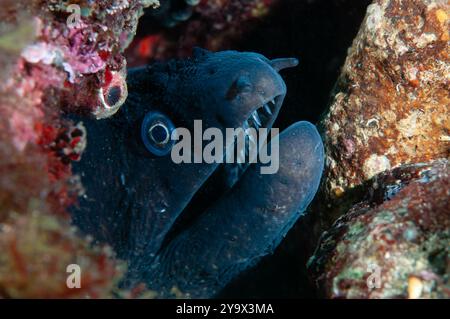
(263, 115)
(268, 91)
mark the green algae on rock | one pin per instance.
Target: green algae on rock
(400, 232)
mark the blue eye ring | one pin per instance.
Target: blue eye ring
(156, 131)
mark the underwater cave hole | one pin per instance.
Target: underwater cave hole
(113, 95)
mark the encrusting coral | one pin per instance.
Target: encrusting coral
(56, 60)
(384, 199)
(393, 244)
(38, 247)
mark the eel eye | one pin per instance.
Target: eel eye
(156, 131)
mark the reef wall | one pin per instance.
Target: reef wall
(383, 209)
(56, 60)
(390, 108)
(394, 243)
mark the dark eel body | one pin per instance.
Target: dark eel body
(138, 202)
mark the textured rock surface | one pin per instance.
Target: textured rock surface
(391, 102)
(36, 251)
(389, 109)
(215, 25)
(395, 243)
(379, 117)
(50, 66)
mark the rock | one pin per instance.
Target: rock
(388, 114)
(37, 249)
(55, 60)
(391, 102)
(389, 106)
(395, 243)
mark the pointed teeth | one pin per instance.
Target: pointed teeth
(261, 116)
(256, 118)
(267, 109)
(272, 105)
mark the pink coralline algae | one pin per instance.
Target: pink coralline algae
(55, 63)
(86, 52)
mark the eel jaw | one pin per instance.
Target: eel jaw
(261, 117)
(226, 174)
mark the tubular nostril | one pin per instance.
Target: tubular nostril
(283, 63)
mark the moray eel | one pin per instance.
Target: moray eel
(185, 225)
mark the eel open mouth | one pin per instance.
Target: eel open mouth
(262, 117)
(227, 174)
